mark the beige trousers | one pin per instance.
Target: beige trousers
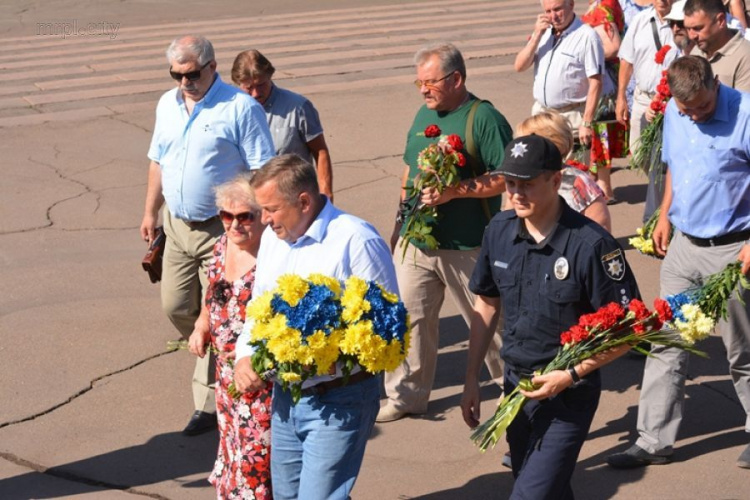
(183, 286)
(423, 277)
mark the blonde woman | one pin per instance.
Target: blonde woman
(578, 189)
(242, 467)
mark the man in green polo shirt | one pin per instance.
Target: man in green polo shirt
(463, 212)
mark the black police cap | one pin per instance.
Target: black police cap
(529, 156)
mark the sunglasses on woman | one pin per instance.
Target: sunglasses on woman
(191, 76)
(243, 218)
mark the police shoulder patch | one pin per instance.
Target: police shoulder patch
(614, 265)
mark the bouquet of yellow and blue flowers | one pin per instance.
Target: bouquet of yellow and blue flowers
(306, 325)
(677, 321)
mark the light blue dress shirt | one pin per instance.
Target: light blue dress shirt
(225, 134)
(710, 167)
(336, 244)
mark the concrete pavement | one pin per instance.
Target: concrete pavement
(93, 405)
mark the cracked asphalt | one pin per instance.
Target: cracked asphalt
(93, 404)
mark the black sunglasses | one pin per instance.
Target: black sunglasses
(191, 76)
(679, 24)
(243, 218)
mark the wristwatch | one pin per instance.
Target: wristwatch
(574, 375)
(587, 124)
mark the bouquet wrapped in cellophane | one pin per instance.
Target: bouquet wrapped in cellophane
(306, 326)
(677, 321)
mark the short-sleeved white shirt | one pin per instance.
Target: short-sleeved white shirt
(562, 67)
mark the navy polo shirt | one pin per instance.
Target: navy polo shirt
(546, 287)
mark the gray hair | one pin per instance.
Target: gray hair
(689, 75)
(236, 192)
(292, 174)
(450, 57)
(191, 47)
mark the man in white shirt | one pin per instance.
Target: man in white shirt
(319, 442)
(568, 60)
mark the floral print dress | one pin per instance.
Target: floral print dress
(242, 468)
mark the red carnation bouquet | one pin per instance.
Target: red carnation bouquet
(610, 327)
(438, 164)
(647, 153)
(677, 321)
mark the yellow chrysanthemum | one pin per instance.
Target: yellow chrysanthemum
(648, 247)
(260, 308)
(268, 329)
(284, 345)
(690, 311)
(704, 325)
(292, 288)
(324, 350)
(390, 297)
(291, 377)
(353, 300)
(327, 281)
(697, 327)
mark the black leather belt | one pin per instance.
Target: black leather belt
(197, 224)
(726, 239)
(323, 387)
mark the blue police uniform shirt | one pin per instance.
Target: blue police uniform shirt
(710, 167)
(545, 287)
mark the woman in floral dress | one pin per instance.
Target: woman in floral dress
(242, 468)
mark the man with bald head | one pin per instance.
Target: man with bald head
(206, 132)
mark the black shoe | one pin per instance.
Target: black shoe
(635, 456)
(199, 423)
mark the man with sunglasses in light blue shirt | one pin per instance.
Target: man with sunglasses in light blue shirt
(206, 132)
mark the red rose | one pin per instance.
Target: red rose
(432, 131)
(460, 159)
(656, 106)
(455, 142)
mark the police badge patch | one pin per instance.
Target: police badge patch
(614, 265)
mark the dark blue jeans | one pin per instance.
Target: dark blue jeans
(546, 437)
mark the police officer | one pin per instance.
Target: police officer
(547, 265)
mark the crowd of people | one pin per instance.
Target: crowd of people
(242, 179)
